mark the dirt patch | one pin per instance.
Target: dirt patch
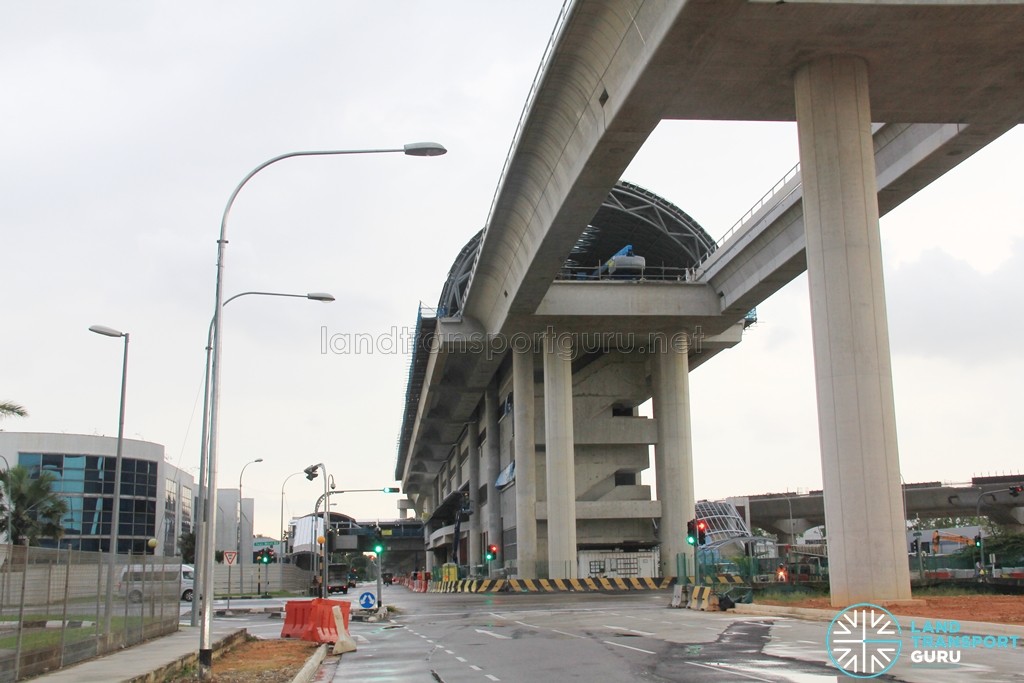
(257, 661)
(996, 609)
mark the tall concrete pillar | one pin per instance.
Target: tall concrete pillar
(864, 515)
(473, 440)
(673, 454)
(427, 501)
(492, 464)
(560, 458)
(526, 464)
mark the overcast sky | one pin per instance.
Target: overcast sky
(126, 125)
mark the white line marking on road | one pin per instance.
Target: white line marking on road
(461, 659)
(720, 667)
(808, 642)
(493, 634)
(492, 677)
(525, 624)
(630, 630)
(449, 652)
(571, 635)
(474, 667)
(630, 647)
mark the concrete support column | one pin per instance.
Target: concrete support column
(492, 465)
(427, 502)
(560, 457)
(526, 464)
(673, 454)
(473, 439)
(856, 413)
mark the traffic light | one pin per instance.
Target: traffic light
(265, 556)
(691, 532)
(492, 553)
(702, 531)
(1016, 490)
(378, 546)
(914, 545)
(390, 489)
(311, 472)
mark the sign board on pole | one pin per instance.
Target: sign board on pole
(229, 557)
(261, 544)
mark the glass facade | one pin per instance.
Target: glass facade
(86, 483)
(170, 516)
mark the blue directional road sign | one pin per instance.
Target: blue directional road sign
(367, 600)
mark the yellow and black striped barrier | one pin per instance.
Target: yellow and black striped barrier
(592, 585)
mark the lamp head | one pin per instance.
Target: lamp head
(424, 149)
(320, 296)
(106, 331)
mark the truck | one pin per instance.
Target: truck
(338, 578)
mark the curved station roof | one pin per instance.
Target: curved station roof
(668, 238)
(670, 241)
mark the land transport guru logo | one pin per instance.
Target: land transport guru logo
(863, 640)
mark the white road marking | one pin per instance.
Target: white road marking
(571, 635)
(449, 652)
(525, 624)
(493, 634)
(461, 659)
(474, 667)
(630, 647)
(492, 677)
(720, 667)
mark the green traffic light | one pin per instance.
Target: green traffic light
(691, 540)
(378, 548)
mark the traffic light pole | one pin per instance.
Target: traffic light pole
(380, 581)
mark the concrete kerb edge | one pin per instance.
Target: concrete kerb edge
(813, 614)
(309, 669)
(189, 659)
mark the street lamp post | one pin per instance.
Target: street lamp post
(200, 569)
(115, 515)
(241, 515)
(311, 475)
(413, 149)
(281, 545)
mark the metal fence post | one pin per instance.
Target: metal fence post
(64, 611)
(21, 617)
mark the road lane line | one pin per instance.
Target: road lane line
(571, 635)
(721, 667)
(525, 624)
(630, 647)
(493, 634)
(461, 659)
(492, 677)
(474, 667)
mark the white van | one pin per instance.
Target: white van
(162, 579)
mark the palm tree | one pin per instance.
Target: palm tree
(31, 509)
(9, 409)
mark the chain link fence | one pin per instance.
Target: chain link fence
(53, 606)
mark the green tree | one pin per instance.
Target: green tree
(31, 509)
(187, 543)
(8, 409)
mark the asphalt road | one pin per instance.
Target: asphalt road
(599, 638)
(536, 638)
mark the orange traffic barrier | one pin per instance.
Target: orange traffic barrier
(321, 627)
(296, 616)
